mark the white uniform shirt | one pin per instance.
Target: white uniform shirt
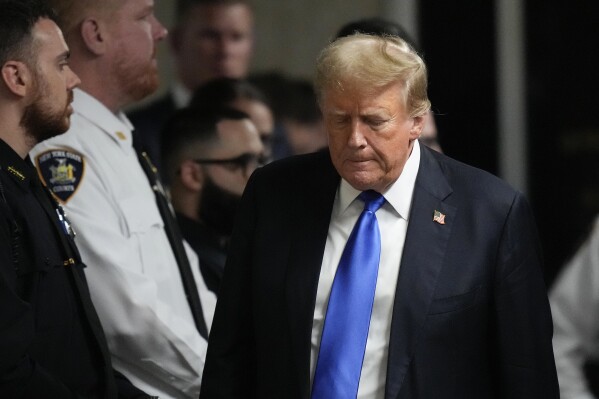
(131, 269)
(574, 300)
(393, 223)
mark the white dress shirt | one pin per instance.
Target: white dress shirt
(181, 94)
(574, 300)
(393, 223)
(131, 269)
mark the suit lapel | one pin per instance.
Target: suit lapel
(311, 226)
(422, 259)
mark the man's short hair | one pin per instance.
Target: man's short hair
(370, 62)
(17, 19)
(192, 132)
(224, 91)
(71, 13)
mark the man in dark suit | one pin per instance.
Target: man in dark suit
(459, 307)
(51, 342)
(211, 39)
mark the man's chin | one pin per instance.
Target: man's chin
(139, 86)
(151, 84)
(363, 181)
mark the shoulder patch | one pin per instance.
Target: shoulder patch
(61, 171)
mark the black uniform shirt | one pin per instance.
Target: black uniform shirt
(211, 248)
(51, 342)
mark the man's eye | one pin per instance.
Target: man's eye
(376, 122)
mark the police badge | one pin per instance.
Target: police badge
(61, 171)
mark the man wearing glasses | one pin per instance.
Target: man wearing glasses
(208, 159)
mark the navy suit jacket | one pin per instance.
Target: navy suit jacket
(471, 318)
(149, 121)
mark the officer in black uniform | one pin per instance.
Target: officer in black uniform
(51, 342)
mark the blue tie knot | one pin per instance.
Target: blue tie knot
(372, 200)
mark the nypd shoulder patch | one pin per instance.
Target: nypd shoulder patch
(61, 171)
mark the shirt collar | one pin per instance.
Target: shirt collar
(399, 194)
(181, 94)
(116, 125)
(19, 169)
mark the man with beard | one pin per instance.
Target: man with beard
(51, 341)
(209, 158)
(145, 283)
(210, 39)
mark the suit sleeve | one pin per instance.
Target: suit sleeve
(574, 302)
(126, 390)
(231, 357)
(526, 367)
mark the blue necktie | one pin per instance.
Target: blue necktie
(347, 320)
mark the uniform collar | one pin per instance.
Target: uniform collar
(117, 126)
(20, 170)
(399, 194)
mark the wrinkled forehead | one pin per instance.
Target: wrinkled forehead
(347, 93)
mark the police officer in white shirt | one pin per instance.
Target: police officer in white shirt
(136, 284)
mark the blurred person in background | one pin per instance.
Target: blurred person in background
(574, 298)
(210, 39)
(302, 119)
(209, 158)
(242, 95)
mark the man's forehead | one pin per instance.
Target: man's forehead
(361, 96)
(235, 126)
(236, 133)
(49, 34)
(221, 14)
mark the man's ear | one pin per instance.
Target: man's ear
(17, 77)
(191, 175)
(93, 36)
(418, 125)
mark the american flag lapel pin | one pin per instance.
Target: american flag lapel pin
(439, 217)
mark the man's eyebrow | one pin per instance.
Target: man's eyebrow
(64, 55)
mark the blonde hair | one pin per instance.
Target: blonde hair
(369, 62)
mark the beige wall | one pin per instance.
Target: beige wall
(290, 33)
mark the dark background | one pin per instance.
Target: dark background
(458, 41)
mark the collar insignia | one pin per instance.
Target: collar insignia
(13, 171)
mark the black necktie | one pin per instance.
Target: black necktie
(174, 236)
